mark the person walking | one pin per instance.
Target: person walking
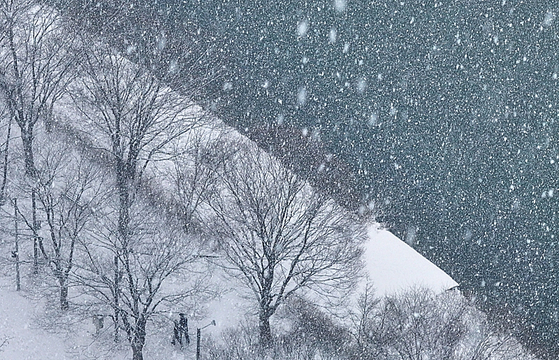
(180, 331)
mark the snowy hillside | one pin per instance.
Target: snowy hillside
(392, 266)
(25, 340)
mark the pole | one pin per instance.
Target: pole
(35, 229)
(198, 334)
(16, 251)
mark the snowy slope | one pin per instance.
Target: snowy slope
(393, 266)
(390, 264)
(26, 341)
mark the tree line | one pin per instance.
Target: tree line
(413, 325)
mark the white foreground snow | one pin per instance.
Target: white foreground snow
(26, 341)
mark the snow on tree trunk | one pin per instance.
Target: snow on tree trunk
(64, 305)
(265, 332)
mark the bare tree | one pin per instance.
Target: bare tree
(420, 324)
(280, 235)
(486, 340)
(133, 118)
(158, 251)
(409, 326)
(195, 173)
(69, 189)
(363, 319)
(36, 62)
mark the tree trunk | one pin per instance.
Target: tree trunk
(123, 234)
(5, 164)
(35, 256)
(28, 157)
(64, 305)
(138, 339)
(37, 242)
(124, 205)
(116, 298)
(265, 332)
(18, 278)
(137, 353)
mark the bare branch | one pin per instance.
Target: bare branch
(279, 234)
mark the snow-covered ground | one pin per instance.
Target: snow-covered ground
(25, 339)
(391, 264)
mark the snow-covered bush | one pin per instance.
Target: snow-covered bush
(311, 334)
(420, 324)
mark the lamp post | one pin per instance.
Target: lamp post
(198, 334)
(15, 253)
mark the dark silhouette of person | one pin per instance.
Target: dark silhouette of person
(181, 330)
(183, 327)
(176, 337)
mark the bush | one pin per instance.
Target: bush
(415, 325)
(421, 325)
(309, 333)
